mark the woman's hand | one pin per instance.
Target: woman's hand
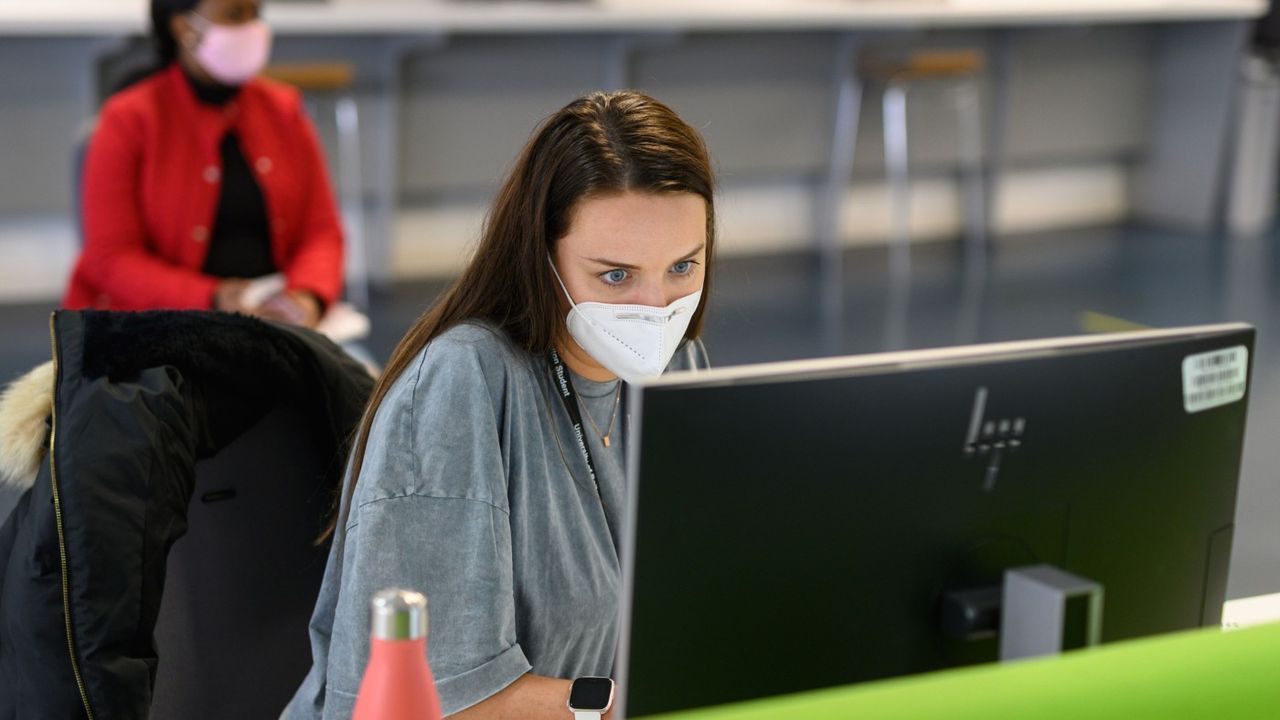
(228, 296)
(295, 307)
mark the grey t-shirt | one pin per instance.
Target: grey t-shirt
(474, 492)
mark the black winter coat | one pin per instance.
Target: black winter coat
(138, 399)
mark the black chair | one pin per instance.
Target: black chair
(232, 632)
(125, 65)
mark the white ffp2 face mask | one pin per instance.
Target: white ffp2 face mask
(631, 341)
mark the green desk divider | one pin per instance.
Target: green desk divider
(1197, 674)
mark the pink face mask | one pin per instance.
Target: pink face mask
(233, 54)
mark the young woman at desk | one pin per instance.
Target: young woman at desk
(467, 480)
(203, 176)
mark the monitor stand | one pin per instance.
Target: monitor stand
(1039, 610)
(1046, 611)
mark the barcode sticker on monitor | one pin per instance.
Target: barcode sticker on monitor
(1213, 379)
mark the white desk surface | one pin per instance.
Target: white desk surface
(1247, 612)
(115, 17)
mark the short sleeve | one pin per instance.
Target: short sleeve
(430, 513)
(691, 355)
(457, 552)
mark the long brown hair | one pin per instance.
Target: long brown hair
(596, 145)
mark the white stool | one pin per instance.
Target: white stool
(336, 79)
(958, 72)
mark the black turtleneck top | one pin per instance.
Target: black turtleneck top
(240, 242)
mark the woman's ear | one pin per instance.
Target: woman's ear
(183, 31)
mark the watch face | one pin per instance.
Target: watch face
(590, 693)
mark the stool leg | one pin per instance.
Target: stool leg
(830, 200)
(976, 207)
(618, 64)
(351, 189)
(896, 160)
(996, 124)
(968, 97)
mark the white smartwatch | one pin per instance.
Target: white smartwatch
(590, 697)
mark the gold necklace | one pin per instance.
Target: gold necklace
(617, 398)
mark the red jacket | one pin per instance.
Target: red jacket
(150, 193)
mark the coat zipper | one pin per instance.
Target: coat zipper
(57, 514)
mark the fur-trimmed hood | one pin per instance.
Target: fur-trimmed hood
(25, 407)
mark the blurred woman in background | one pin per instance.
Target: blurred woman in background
(204, 176)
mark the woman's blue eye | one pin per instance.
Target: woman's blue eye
(614, 277)
(683, 267)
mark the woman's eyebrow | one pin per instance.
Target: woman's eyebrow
(613, 264)
(692, 252)
(627, 266)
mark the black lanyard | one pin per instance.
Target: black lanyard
(564, 386)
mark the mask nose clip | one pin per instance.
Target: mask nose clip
(644, 317)
(654, 318)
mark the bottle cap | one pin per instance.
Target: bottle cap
(399, 614)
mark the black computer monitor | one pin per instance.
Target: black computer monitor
(795, 526)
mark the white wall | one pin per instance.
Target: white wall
(1076, 120)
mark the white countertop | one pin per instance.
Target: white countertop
(1247, 612)
(115, 17)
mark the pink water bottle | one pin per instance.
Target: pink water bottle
(397, 683)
